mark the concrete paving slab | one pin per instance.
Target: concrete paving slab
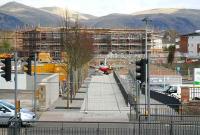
(102, 102)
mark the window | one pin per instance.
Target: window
(57, 54)
(11, 106)
(1, 107)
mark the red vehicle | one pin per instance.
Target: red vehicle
(104, 67)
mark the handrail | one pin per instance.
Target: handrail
(121, 87)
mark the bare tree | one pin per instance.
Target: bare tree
(78, 50)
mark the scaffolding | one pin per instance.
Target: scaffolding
(46, 39)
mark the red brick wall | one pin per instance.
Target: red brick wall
(198, 48)
(183, 44)
(191, 108)
(185, 94)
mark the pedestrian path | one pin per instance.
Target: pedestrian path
(103, 102)
(103, 95)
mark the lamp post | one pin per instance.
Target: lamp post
(35, 83)
(147, 90)
(16, 92)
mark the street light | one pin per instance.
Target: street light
(147, 90)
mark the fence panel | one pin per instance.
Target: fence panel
(108, 128)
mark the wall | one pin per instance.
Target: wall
(25, 82)
(183, 44)
(48, 91)
(189, 106)
(50, 82)
(189, 93)
(30, 80)
(11, 84)
(193, 42)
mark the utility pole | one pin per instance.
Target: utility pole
(147, 90)
(35, 79)
(15, 86)
(16, 125)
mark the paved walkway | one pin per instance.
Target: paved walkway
(103, 95)
(102, 102)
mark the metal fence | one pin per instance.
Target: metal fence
(168, 112)
(194, 93)
(102, 128)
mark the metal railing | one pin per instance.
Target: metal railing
(166, 112)
(104, 128)
(194, 93)
(121, 87)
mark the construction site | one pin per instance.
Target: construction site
(44, 39)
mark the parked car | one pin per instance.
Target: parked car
(173, 90)
(158, 88)
(7, 113)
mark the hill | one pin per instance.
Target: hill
(30, 15)
(9, 22)
(60, 12)
(181, 20)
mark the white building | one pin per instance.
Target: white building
(156, 43)
(189, 45)
(194, 45)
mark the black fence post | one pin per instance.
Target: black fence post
(171, 128)
(62, 129)
(130, 113)
(139, 125)
(14, 127)
(98, 129)
(181, 112)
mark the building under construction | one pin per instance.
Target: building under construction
(39, 40)
(45, 39)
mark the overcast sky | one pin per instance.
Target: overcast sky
(104, 7)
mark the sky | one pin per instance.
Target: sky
(105, 7)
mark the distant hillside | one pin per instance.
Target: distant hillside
(114, 21)
(29, 15)
(181, 20)
(157, 11)
(60, 12)
(9, 22)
